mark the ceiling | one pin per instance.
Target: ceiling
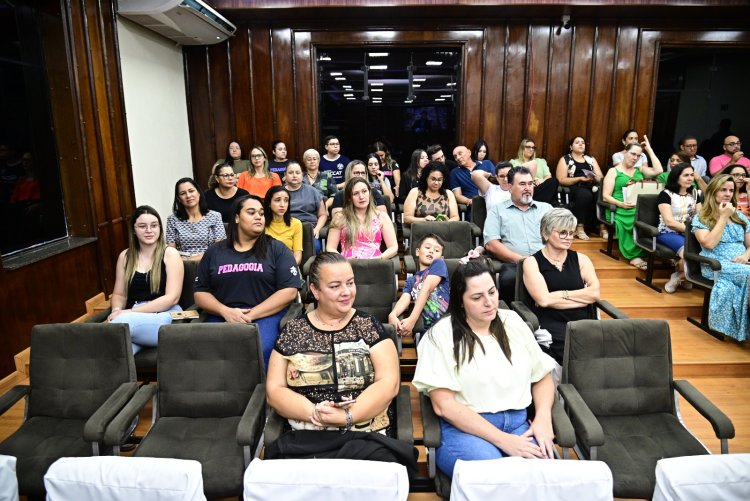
(341, 75)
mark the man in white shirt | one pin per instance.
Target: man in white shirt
(493, 193)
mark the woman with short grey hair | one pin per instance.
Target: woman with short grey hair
(562, 283)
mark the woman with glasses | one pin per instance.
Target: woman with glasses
(545, 185)
(561, 281)
(192, 227)
(259, 179)
(148, 280)
(741, 186)
(430, 201)
(223, 191)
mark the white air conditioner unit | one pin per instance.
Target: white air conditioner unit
(187, 22)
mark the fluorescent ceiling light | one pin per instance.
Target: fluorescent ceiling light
(348, 95)
(324, 58)
(416, 86)
(408, 101)
(350, 99)
(347, 87)
(434, 63)
(376, 84)
(336, 73)
(446, 95)
(419, 79)
(379, 67)
(376, 90)
(439, 99)
(340, 78)
(377, 54)
(451, 84)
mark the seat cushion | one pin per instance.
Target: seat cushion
(39, 442)
(210, 441)
(633, 445)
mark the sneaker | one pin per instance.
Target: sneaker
(674, 281)
(686, 285)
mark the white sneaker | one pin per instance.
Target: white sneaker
(674, 282)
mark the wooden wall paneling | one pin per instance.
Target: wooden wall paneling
(584, 43)
(540, 81)
(262, 88)
(472, 109)
(621, 113)
(559, 115)
(514, 108)
(200, 113)
(305, 94)
(601, 97)
(493, 94)
(221, 109)
(282, 71)
(241, 92)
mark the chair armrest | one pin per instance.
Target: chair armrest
(476, 231)
(610, 309)
(117, 427)
(647, 229)
(97, 424)
(306, 266)
(12, 396)
(251, 423)
(495, 264)
(722, 425)
(526, 314)
(295, 311)
(99, 317)
(411, 264)
(462, 208)
(274, 427)
(583, 420)
(404, 426)
(430, 422)
(713, 263)
(565, 435)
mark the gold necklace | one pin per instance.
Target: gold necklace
(329, 324)
(555, 262)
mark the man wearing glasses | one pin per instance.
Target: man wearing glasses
(333, 161)
(689, 146)
(732, 155)
(493, 193)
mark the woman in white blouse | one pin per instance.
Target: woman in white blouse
(481, 384)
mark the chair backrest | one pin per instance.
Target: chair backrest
(620, 367)
(208, 369)
(119, 478)
(376, 286)
(330, 479)
(519, 479)
(8, 479)
(188, 283)
(76, 367)
(647, 210)
(455, 234)
(308, 245)
(695, 478)
(478, 211)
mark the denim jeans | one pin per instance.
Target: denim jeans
(268, 328)
(456, 444)
(144, 327)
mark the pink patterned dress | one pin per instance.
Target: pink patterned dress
(366, 246)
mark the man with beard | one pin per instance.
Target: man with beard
(511, 230)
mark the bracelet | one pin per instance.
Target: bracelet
(349, 420)
(565, 295)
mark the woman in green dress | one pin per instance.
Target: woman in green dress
(616, 179)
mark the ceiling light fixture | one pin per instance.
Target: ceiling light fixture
(416, 86)
(434, 63)
(376, 90)
(378, 54)
(376, 84)
(379, 67)
(420, 79)
(439, 99)
(340, 78)
(324, 57)
(348, 95)
(446, 95)
(451, 84)
(336, 73)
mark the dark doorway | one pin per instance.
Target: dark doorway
(698, 89)
(407, 98)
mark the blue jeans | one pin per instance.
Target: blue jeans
(144, 327)
(456, 444)
(268, 328)
(675, 241)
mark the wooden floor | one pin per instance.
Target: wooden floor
(719, 369)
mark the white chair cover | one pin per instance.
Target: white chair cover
(8, 479)
(531, 479)
(116, 478)
(724, 477)
(325, 479)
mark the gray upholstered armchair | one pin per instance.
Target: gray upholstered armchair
(645, 232)
(619, 393)
(209, 404)
(81, 376)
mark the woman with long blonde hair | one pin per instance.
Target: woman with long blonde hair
(724, 234)
(259, 179)
(148, 280)
(360, 228)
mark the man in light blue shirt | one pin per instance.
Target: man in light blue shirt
(511, 230)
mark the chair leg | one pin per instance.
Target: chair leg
(610, 245)
(649, 280)
(703, 323)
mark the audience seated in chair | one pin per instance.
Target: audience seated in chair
(279, 221)
(546, 184)
(249, 278)
(148, 280)
(430, 200)
(306, 203)
(333, 375)
(478, 365)
(223, 191)
(258, 178)
(192, 227)
(357, 168)
(492, 193)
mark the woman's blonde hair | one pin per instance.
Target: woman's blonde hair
(524, 142)
(348, 217)
(266, 170)
(134, 246)
(710, 210)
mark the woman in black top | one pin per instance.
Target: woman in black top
(223, 191)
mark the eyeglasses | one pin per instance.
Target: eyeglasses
(227, 176)
(739, 175)
(436, 179)
(736, 143)
(530, 147)
(257, 155)
(565, 234)
(144, 227)
(333, 144)
(691, 146)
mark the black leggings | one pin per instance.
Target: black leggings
(583, 204)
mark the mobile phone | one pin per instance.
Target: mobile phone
(344, 403)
